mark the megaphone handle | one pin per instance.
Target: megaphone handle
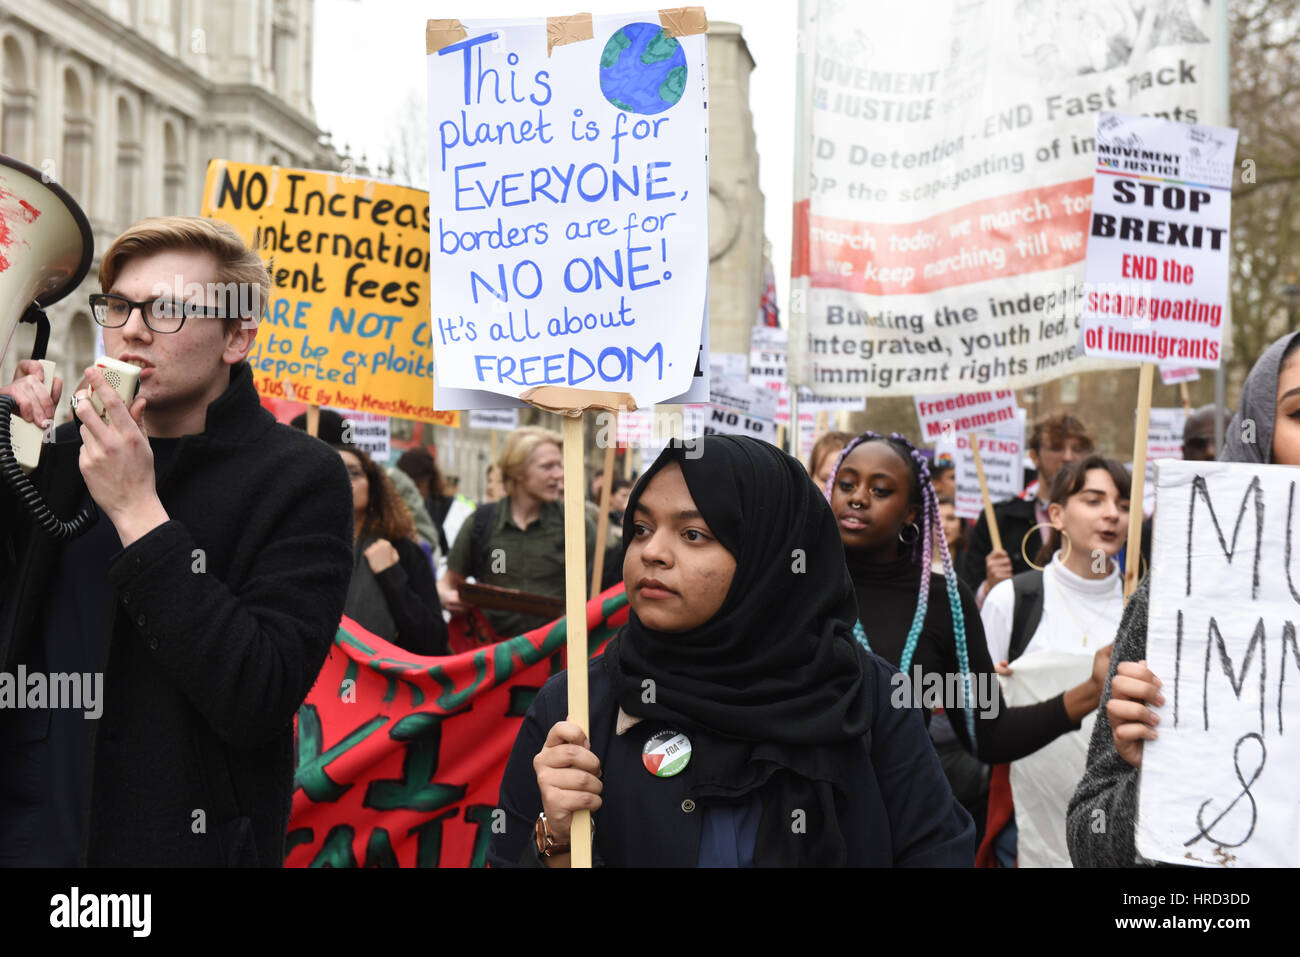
(29, 497)
(36, 316)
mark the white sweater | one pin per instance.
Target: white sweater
(1080, 616)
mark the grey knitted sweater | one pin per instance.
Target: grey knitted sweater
(1103, 811)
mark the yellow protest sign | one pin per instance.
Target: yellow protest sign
(347, 324)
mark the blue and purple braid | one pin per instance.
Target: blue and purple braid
(923, 554)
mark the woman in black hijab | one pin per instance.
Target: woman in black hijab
(734, 720)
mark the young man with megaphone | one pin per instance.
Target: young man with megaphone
(207, 593)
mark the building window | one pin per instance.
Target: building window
(15, 126)
(77, 137)
(173, 172)
(128, 163)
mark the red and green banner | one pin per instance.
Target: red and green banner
(400, 757)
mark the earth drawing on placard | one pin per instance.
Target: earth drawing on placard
(642, 70)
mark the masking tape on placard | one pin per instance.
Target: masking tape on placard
(683, 21)
(442, 33)
(571, 29)
(565, 400)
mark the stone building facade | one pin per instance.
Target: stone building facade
(123, 102)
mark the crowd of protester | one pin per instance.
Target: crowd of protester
(772, 606)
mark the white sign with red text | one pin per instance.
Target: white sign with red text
(970, 412)
(1156, 278)
(1001, 456)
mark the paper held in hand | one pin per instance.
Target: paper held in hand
(1218, 785)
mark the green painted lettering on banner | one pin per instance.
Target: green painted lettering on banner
(336, 851)
(311, 776)
(379, 849)
(451, 700)
(480, 815)
(415, 790)
(428, 846)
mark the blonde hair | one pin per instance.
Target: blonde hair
(237, 264)
(518, 447)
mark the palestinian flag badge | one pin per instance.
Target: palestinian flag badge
(666, 753)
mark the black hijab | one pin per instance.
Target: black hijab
(774, 691)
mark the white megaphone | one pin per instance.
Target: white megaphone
(46, 247)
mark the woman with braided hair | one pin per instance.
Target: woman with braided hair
(886, 510)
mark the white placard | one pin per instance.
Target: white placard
(972, 412)
(1001, 456)
(1219, 784)
(1164, 441)
(370, 431)
(636, 428)
(1156, 279)
(737, 407)
(448, 399)
(501, 420)
(753, 400)
(1165, 434)
(767, 367)
(732, 364)
(1172, 375)
(943, 176)
(568, 219)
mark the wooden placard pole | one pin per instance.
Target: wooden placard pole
(571, 404)
(1186, 397)
(1133, 550)
(995, 536)
(602, 525)
(823, 423)
(313, 420)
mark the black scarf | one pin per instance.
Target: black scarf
(773, 690)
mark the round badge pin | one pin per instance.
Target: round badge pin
(666, 753)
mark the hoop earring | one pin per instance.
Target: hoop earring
(914, 538)
(1025, 541)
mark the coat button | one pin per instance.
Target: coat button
(126, 597)
(688, 805)
(153, 644)
(139, 620)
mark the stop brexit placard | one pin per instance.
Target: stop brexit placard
(1156, 281)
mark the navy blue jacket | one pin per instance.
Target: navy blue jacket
(901, 812)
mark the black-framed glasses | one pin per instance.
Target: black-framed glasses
(163, 314)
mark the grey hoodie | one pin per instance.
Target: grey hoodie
(1103, 811)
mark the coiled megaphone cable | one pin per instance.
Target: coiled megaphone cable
(29, 497)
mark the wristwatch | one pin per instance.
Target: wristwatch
(547, 846)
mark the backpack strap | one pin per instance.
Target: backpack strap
(480, 538)
(1028, 587)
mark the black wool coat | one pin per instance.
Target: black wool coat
(900, 812)
(209, 659)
